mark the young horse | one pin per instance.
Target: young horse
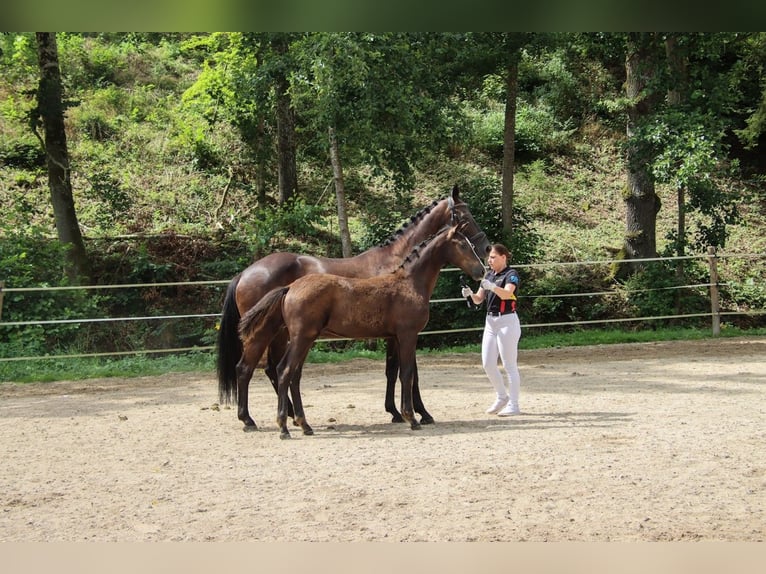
(394, 306)
(279, 269)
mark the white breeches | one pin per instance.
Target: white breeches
(501, 338)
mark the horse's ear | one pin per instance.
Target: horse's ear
(455, 193)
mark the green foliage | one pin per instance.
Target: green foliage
(297, 222)
(31, 260)
(18, 57)
(657, 290)
(571, 293)
(537, 131)
(483, 195)
(26, 155)
(173, 134)
(688, 153)
(109, 198)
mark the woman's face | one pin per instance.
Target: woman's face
(496, 261)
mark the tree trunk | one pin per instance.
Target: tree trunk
(50, 109)
(641, 201)
(262, 164)
(340, 194)
(509, 142)
(261, 146)
(677, 68)
(286, 162)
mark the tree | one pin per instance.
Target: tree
(753, 55)
(641, 200)
(684, 94)
(340, 194)
(50, 113)
(379, 99)
(245, 81)
(500, 52)
(691, 153)
(513, 43)
(286, 147)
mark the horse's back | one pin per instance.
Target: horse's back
(282, 268)
(333, 305)
(269, 272)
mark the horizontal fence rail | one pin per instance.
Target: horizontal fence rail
(711, 287)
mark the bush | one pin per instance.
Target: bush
(31, 260)
(656, 290)
(22, 155)
(537, 131)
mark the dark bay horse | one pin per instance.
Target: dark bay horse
(394, 306)
(280, 269)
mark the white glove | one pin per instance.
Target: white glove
(466, 292)
(487, 285)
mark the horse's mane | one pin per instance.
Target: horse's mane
(415, 218)
(415, 253)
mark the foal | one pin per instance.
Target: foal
(393, 306)
(281, 269)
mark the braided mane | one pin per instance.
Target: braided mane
(415, 253)
(415, 218)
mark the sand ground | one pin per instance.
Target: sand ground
(645, 442)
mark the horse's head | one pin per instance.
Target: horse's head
(463, 252)
(460, 215)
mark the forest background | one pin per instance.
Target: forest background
(191, 155)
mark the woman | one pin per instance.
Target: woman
(502, 330)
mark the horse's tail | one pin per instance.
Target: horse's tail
(229, 345)
(263, 321)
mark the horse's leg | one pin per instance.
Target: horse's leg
(392, 373)
(244, 374)
(252, 351)
(295, 391)
(289, 371)
(425, 417)
(282, 386)
(277, 350)
(407, 346)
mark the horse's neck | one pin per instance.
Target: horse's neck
(424, 266)
(409, 237)
(386, 258)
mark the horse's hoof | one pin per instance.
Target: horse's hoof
(415, 425)
(308, 431)
(397, 418)
(429, 420)
(284, 435)
(249, 424)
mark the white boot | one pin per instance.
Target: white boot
(509, 410)
(497, 405)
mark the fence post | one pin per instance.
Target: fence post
(714, 303)
(2, 286)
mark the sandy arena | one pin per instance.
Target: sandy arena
(610, 446)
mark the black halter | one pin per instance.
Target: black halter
(457, 220)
